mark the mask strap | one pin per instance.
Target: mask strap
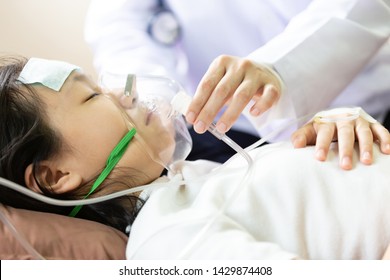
(112, 160)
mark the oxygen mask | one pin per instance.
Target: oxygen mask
(145, 102)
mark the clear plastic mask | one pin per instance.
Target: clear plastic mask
(146, 105)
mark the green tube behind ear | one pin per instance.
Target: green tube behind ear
(112, 160)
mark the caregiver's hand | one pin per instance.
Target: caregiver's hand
(386, 256)
(345, 132)
(232, 81)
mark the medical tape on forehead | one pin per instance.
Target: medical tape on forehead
(49, 73)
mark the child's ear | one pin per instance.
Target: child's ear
(48, 175)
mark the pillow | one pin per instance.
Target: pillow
(59, 237)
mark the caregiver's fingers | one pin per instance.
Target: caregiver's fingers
(234, 80)
(381, 135)
(223, 91)
(365, 139)
(259, 85)
(247, 91)
(240, 99)
(346, 140)
(266, 98)
(205, 88)
(386, 256)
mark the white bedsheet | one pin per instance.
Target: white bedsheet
(293, 207)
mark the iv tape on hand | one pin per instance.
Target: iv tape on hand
(342, 114)
(49, 73)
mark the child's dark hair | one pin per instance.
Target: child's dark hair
(26, 138)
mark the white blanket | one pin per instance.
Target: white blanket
(292, 206)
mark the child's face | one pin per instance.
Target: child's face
(92, 125)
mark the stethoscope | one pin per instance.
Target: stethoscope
(164, 27)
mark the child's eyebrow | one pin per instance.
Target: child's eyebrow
(79, 77)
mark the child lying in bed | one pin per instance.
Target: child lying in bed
(62, 137)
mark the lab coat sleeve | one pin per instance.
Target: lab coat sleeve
(117, 33)
(320, 52)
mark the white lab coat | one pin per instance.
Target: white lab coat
(329, 53)
(291, 206)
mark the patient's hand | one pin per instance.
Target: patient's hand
(346, 132)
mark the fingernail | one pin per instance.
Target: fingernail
(296, 142)
(346, 162)
(190, 117)
(366, 156)
(255, 112)
(200, 127)
(320, 154)
(221, 127)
